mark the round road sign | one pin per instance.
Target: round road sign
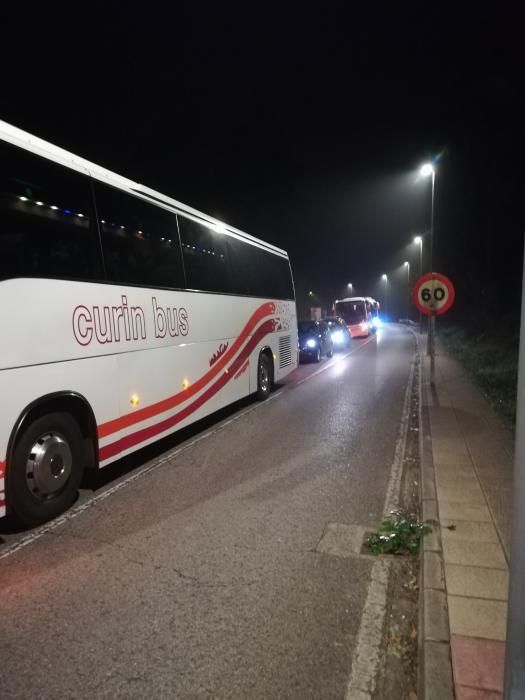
(433, 294)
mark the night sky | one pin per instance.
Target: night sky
(303, 127)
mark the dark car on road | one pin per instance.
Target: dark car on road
(315, 340)
(341, 336)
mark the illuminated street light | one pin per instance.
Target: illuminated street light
(426, 169)
(418, 240)
(385, 280)
(350, 287)
(407, 265)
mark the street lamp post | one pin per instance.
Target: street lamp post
(314, 304)
(407, 265)
(350, 287)
(385, 280)
(418, 240)
(426, 170)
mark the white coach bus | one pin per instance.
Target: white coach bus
(124, 316)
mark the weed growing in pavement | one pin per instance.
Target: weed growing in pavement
(400, 534)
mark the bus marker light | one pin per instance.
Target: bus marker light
(134, 400)
(185, 384)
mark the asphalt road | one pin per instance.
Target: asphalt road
(201, 578)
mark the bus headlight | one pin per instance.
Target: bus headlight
(311, 343)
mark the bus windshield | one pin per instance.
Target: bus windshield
(352, 311)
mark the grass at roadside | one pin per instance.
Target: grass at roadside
(491, 359)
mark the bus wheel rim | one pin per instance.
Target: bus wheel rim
(48, 466)
(264, 377)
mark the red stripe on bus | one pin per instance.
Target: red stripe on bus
(2, 468)
(146, 433)
(125, 421)
(243, 369)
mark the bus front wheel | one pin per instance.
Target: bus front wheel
(264, 377)
(46, 468)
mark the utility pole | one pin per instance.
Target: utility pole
(515, 649)
(426, 170)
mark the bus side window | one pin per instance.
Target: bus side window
(264, 274)
(140, 240)
(206, 257)
(48, 227)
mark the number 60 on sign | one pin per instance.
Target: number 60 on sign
(433, 294)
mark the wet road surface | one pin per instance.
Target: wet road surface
(201, 578)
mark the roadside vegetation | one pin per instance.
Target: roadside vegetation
(400, 534)
(488, 349)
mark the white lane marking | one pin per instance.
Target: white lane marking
(368, 653)
(367, 657)
(394, 483)
(155, 464)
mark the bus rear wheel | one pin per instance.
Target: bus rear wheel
(264, 377)
(46, 468)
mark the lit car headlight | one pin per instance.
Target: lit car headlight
(377, 323)
(311, 343)
(337, 336)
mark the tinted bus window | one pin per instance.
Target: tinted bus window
(46, 224)
(264, 274)
(140, 240)
(206, 258)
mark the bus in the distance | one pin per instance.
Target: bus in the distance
(125, 315)
(361, 315)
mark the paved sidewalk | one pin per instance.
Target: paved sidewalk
(466, 486)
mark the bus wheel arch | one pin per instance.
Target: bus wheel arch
(53, 441)
(265, 373)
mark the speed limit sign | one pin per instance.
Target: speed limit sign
(433, 294)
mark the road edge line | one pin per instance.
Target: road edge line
(365, 665)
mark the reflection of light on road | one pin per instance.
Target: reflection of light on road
(379, 335)
(338, 368)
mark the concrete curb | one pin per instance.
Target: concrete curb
(435, 681)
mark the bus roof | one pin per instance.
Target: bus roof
(338, 301)
(25, 140)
